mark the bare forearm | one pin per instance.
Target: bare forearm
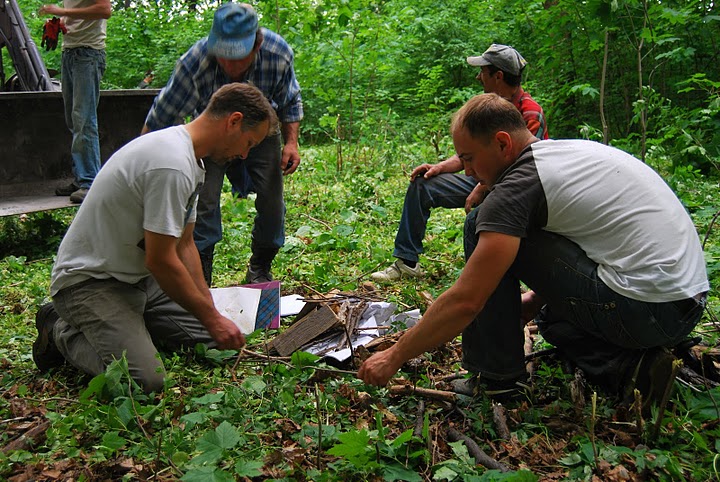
(446, 318)
(176, 281)
(97, 11)
(290, 132)
(190, 257)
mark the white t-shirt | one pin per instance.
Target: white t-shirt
(151, 183)
(83, 32)
(615, 207)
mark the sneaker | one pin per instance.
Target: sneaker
(258, 274)
(78, 196)
(45, 353)
(66, 190)
(652, 377)
(497, 390)
(396, 271)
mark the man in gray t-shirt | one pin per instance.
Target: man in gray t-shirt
(127, 275)
(612, 258)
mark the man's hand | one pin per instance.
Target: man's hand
(225, 333)
(425, 170)
(51, 10)
(290, 159)
(476, 196)
(449, 165)
(379, 368)
(531, 305)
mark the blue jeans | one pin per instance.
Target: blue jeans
(259, 173)
(602, 332)
(101, 319)
(82, 69)
(444, 190)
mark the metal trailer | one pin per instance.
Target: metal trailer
(34, 140)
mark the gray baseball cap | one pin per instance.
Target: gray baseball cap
(501, 56)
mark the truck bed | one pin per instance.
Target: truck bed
(35, 143)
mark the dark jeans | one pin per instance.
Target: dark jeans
(262, 166)
(445, 191)
(602, 332)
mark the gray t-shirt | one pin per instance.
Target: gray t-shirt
(615, 207)
(151, 183)
(83, 32)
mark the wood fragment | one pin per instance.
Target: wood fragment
(528, 347)
(500, 420)
(577, 391)
(32, 438)
(312, 325)
(441, 395)
(452, 376)
(420, 420)
(475, 451)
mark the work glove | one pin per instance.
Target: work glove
(51, 32)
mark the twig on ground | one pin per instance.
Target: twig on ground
(420, 420)
(423, 392)
(29, 439)
(474, 450)
(500, 419)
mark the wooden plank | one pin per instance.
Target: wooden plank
(314, 324)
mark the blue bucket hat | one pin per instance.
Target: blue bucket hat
(233, 31)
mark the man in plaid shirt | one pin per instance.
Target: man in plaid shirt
(238, 51)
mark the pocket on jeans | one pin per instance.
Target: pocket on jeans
(601, 320)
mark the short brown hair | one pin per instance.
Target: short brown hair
(245, 98)
(485, 114)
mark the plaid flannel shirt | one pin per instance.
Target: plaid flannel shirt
(197, 76)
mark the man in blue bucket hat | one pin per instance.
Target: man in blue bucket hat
(237, 50)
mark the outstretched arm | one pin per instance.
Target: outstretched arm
(452, 312)
(166, 258)
(101, 9)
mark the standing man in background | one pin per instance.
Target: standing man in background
(238, 51)
(440, 185)
(83, 65)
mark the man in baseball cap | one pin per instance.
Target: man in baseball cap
(238, 50)
(441, 184)
(503, 57)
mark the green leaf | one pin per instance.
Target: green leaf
(207, 474)
(303, 358)
(209, 398)
(113, 441)
(254, 384)
(395, 471)
(445, 473)
(227, 435)
(248, 468)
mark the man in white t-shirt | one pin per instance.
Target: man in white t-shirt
(127, 275)
(612, 258)
(83, 65)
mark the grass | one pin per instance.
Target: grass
(261, 420)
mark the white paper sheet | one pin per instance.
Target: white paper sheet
(239, 304)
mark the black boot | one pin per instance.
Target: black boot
(206, 260)
(260, 265)
(45, 353)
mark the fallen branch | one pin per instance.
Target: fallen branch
(420, 420)
(474, 450)
(441, 395)
(500, 419)
(32, 438)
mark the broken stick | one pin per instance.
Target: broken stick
(474, 449)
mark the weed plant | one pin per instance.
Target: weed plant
(220, 420)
